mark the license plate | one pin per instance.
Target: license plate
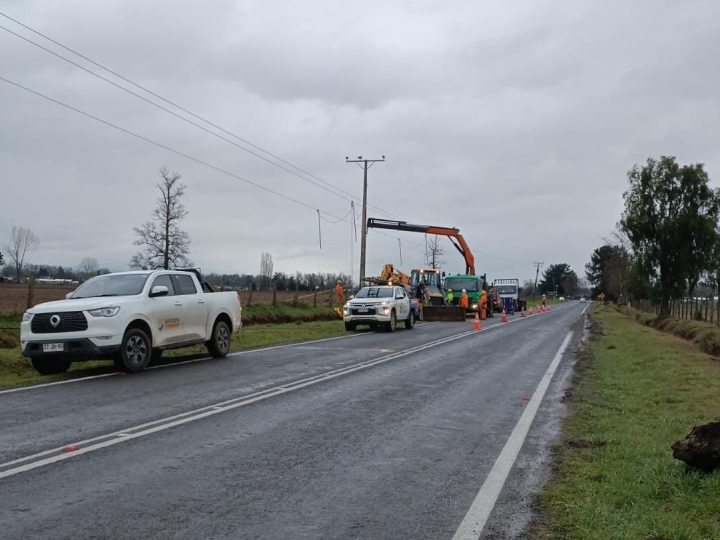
(53, 347)
(363, 310)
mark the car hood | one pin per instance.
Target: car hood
(80, 304)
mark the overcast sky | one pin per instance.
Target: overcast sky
(513, 121)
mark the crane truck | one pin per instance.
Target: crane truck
(437, 308)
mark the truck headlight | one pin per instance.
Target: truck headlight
(105, 311)
(27, 316)
(474, 306)
(346, 309)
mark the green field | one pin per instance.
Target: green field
(636, 391)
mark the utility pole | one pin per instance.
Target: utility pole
(537, 264)
(366, 164)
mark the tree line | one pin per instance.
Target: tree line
(667, 242)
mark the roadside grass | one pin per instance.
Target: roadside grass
(15, 370)
(635, 392)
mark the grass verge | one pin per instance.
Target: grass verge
(16, 370)
(635, 392)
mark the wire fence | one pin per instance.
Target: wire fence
(698, 308)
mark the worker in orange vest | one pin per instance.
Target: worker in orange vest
(483, 304)
(464, 300)
(339, 292)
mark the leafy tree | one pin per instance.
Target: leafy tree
(22, 240)
(670, 218)
(608, 270)
(558, 278)
(164, 244)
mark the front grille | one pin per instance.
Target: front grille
(370, 311)
(70, 321)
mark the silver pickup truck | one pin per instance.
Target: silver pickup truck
(130, 317)
(381, 305)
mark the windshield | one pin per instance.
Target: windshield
(375, 292)
(431, 279)
(458, 284)
(111, 285)
(506, 289)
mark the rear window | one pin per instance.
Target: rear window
(183, 284)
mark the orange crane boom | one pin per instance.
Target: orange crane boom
(452, 233)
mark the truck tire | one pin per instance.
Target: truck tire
(349, 326)
(392, 325)
(49, 366)
(135, 351)
(219, 344)
(410, 322)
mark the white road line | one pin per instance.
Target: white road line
(474, 522)
(236, 353)
(129, 433)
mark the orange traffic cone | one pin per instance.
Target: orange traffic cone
(547, 308)
(503, 318)
(522, 312)
(476, 322)
(530, 311)
(539, 310)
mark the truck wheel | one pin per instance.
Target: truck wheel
(135, 351)
(49, 366)
(410, 322)
(219, 344)
(349, 326)
(392, 325)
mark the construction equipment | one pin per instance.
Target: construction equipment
(452, 233)
(390, 276)
(435, 308)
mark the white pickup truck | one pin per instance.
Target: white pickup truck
(382, 305)
(130, 317)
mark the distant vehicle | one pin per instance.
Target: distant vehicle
(562, 298)
(130, 317)
(508, 291)
(582, 299)
(382, 305)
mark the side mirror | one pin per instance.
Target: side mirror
(351, 297)
(398, 296)
(159, 290)
(68, 296)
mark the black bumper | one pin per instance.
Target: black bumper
(74, 349)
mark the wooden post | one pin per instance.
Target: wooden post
(30, 290)
(315, 298)
(274, 300)
(249, 302)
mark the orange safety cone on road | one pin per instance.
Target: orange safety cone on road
(522, 312)
(547, 308)
(503, 318)
(539, 310)
(530, 311)
(476, 322)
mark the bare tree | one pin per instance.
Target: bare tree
(164, 244)
(21, 241)
(88, 265)
(266, 269)
(433, 252)
(528, 288)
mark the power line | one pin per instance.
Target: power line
(161, 145)
(331, 188)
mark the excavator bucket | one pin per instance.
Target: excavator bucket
(443, 313)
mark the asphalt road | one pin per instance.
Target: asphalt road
(374, 435)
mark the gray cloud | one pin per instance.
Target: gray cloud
(516, 123)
